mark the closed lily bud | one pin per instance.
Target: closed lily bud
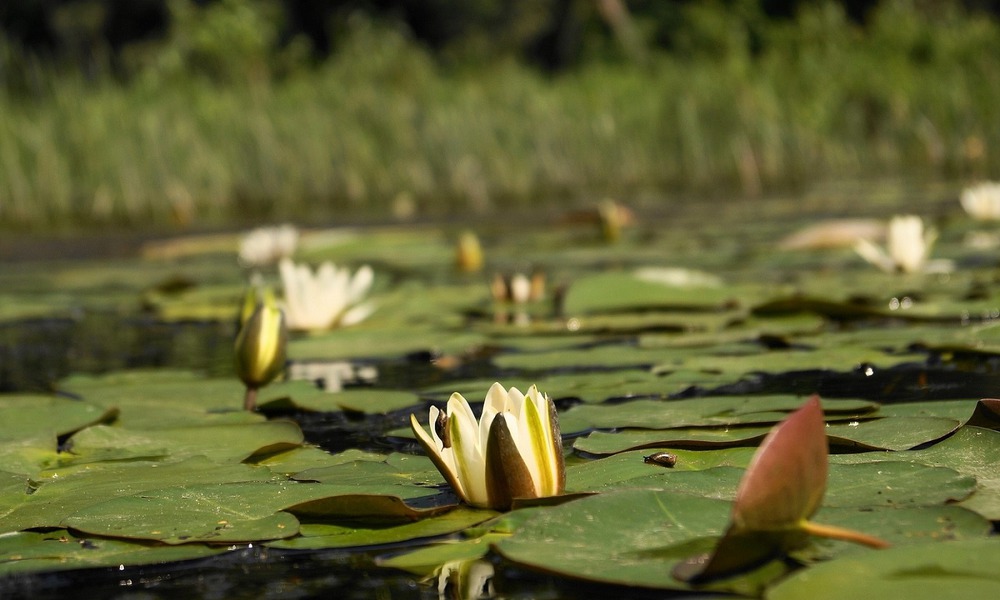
(261, 343)
(513, 451)
(469, 253)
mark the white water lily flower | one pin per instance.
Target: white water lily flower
(908, 247)
(982, 201)
(330, 297)
(513, 451)
(267, 245)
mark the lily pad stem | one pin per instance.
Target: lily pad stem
(250, 399)
(846, 535)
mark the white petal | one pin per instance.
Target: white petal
(470, 461)
(360, 283)
(874, 255)
(355, 315)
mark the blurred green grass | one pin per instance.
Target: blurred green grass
(213, 129)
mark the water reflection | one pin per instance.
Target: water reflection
(465, 580)
(36, 353)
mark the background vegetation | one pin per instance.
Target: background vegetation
(190, 113)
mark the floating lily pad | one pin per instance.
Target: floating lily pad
(896, 484)
(211, 513)
(972, 451)
(616, 292)
(642, 534)
(921, 571)
(631, 468)
(302, 458)
(46, 503)
(60, 550)
(901, 433)
(365, 400)
(221, 443)
(602, 443)
(322, 535)
(153, 399)
(898, 433)
(26, 416)
(725, 411)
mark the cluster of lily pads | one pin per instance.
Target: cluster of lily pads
(692, 455)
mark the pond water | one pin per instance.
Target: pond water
(695, 300)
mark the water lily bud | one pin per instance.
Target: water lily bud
(250, 303)
(469, 254)
(261, 344)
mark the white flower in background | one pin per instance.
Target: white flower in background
(513, 451)
(518, 288)
(908, 247)
(267, 245)
(330, 297)
(982, 201)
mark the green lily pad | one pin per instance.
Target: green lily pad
(70, 490)
(154, 399)
(212, 513)
(27, 416)
(60, 550)
(315, 536)
(221, 443)
(899, 433)
(617, 292)
(642, 534)
(896, 484)
(972, 451)
(394, 470)
(365, 400)
(920, 571)
(302, 458)
(896, 433)
(601, 443)
(630, 468)
(29, 455)
(724, 411)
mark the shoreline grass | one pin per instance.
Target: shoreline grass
(380, 128)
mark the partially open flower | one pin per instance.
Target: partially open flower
(260, 344)
(513, 451)
(982, 201)
(330, 297)
(908, 247)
